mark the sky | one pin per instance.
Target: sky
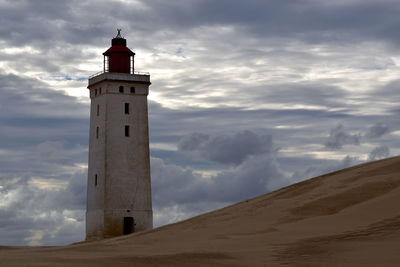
(246, 97)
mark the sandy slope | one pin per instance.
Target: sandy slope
(346, 218)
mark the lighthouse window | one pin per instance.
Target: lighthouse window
(98, 110)
(126, 108)
(97, 132)
(95, 180)
(132, 90)
(127, 130)
(121, 89)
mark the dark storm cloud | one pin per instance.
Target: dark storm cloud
(77, 22)
(377, 130)
(232, 148)
(379, 152)
(255, 176)
(29, 98)
(307, 94)
(51, 23)
(311, 21)
(338, 137)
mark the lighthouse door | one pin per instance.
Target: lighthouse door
(129, 225)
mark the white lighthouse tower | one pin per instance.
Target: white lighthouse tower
(119, 188)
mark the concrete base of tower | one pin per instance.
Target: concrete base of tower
(125, 221)
(94, 225)
(111, 223)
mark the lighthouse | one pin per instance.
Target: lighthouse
(119, 187)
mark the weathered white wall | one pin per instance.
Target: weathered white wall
(95, 194)
(121, 163)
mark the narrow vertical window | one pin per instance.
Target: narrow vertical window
(95, 92)
(98, 110)
(126, 108)
(100, 91)
(97, 132)
(132, 90)
(95, 180)
(126, 130)
(121, 89)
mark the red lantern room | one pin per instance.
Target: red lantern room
(119, 58)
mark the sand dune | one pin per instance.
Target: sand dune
(346, 218)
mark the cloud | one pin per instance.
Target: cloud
(323, 167)
(230, 149)
(32, 214)
(379, 152)
(337, 22)
(338, 138)
(28, 98)
(377, 130)
(43, 132)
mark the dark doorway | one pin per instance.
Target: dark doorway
(129, 225)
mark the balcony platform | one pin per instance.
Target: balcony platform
(138, 77)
